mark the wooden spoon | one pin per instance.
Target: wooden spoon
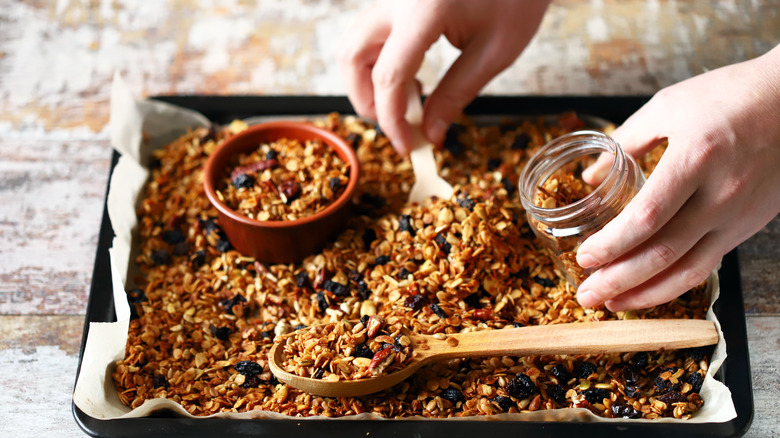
(574, 338)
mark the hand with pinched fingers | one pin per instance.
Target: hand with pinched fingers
(717, 184)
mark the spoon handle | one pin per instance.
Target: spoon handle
(579, 338)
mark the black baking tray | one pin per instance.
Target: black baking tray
(735, 372)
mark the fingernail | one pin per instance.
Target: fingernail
(586, 260)
(587, 298)
(437, 131)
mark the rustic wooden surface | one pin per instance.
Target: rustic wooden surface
(56, 63)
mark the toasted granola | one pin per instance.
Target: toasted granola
(284, 180)
(205, 316)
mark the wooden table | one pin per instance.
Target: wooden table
(56, 65)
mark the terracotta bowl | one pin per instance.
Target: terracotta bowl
(280, 241)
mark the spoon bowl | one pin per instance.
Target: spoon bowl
(573, 338)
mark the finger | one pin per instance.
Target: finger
(478, 63)
(359, 50)
(401, 57)
(665, 192)
(688, 273)
(650, 258)
(638, 135)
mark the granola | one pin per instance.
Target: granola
(284, 180)
(205, 316)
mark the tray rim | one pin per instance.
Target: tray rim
(736, 368)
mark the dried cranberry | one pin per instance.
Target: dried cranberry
(438, 311)
(695, 380)
(483, 314)
(338, 289)
(405, 224)
(556, 393)
(596, 395)
(631, 373)
(494, 163)
(445, 246)
(585, 370)
(505, 403)
(229, 303)
(415, 302)
(624, 410)
(521, 387)
(161, 257)
(243, 181)
(159, 381)
(369, 235)
(561, 373)
(248, 368)
(221, 333)
(521, 141)
(452, 395)
(302, 279)
(291, 190)
(546, 282)
(172, 237)
(672, 397)
(362, 350)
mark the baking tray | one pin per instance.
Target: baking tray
(735, 371)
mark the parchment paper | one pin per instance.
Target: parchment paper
(95, 393)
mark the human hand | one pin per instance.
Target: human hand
(716, 185)
(383, 50)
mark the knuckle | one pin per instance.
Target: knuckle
(663, 253)
(693, 276)
(385, 76)
(648, 217)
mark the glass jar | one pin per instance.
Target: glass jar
(561, 209)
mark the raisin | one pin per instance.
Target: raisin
(373, 201)
(299, 327)
(363, 290)
(518, 324)
(364, 320)
(623, 410)
(494, 163)
(452, 395)
(505, 403)
(405, 224)
(136, 295)
(585, 370)
(672, 397)
(521, 141)
(161, 257)
(697, 353)
(561, 373)
(159, 381)
(445, 246)
(291, 190)
(334, 184)
(451, 142)
(362, 350)
(508, 186)
(208, 225)
(557, 393)
(248, 368)
(319, 373)
(632, 391)
(354, 139)
(224, 245)
(546, 282)
(338, 289)
(302, 279)
(662, 385)
(369, 235)
(272, 155)
(355, 276)
(596, 395)
(229, 303)
(473, 301)
(403, 273)
(172, 237)
(211, 134)
(322, 301)
(695, 380)
(221, 333)
(631, 373)
(415, 302)
(438, 311)
(521, 387)
(640, 359)
(382, 260)
(243, 181)
(267, 334)
(251, 382)
(198, 259)
(466, 202)
(181, 248)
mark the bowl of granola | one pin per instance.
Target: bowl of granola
(282, 189)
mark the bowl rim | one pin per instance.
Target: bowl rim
(334, 141)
